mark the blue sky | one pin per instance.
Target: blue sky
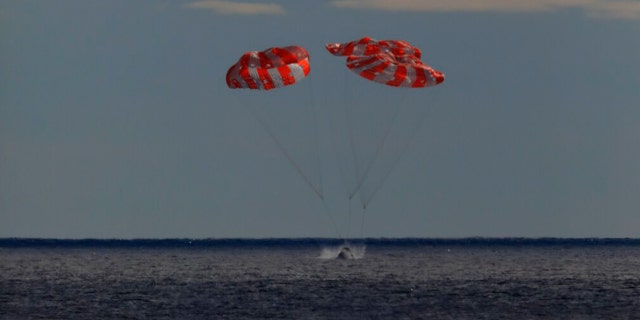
(115, 120)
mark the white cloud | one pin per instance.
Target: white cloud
(624, 9)
(231, 7)
(616, 9)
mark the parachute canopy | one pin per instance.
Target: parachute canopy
(269, 69)
(395, 63)
(367, 47)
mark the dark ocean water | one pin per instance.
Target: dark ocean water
(299, 279)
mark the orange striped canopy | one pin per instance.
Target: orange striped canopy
(269, 69)
(392, 62)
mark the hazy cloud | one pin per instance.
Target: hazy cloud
(231, 7)
(616, 9)
(624, 9)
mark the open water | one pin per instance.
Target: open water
(299, 279)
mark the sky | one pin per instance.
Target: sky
(116, 121)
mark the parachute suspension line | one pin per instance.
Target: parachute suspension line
(293, 162)
(335, 144)
(282, 149)
(402, 152)
(349, 220)
(343, 158)
(371, 161)
(349, 117)
(354, 155)
(328, 211)
(364, 209)
(316, 137)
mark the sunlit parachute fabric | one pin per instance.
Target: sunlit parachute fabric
(367, 46)
(269, 69)
(392, 62)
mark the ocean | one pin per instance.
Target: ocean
(472, 278)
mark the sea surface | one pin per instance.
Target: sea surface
(473, 278)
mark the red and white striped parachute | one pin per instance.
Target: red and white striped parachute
(370, 129)
(269, 69)
(392, 62)
(367, 46)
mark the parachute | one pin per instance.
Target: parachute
(377, 148)
(371, 125)
(367, 46)
(395, 63)
(269, 69)
(279, 68)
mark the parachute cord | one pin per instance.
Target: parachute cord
(288, 156)
(354, 155)
(402, 152)
(340, 160)
(282, 149)
(296, 166)
(362, 222)
(316, 137)
(327, 211)
(343, 161)
(348, 221)
(375, 156)
(352, 144)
